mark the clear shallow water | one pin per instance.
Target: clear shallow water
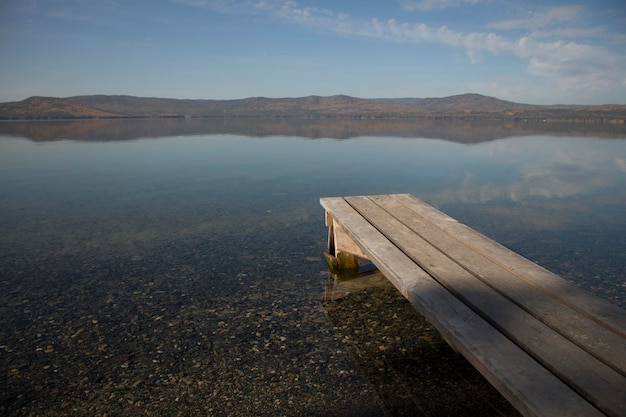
(558, 200)
(143, 241)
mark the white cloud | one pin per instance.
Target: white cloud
(557, 22)
(307, 16)
(474, 43)
(570, 65)
(425, 5)
(542, 18)
(571, 32)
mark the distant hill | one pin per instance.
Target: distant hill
(464, 106)
(51, 108)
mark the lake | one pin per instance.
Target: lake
(173, 267)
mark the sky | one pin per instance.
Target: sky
(527, 51)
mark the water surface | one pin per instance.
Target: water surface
(145, 259)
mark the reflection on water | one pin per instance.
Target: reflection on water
(186, 268)
(460, 131)
(542, 167)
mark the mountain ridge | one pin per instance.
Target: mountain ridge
(50, 108)
(462, 106)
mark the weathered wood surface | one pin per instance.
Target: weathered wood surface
(549, 347)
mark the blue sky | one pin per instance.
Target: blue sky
(540, 52)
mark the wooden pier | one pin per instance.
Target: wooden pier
(550, 348)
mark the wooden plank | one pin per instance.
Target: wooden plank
(599, 341)
(603, 312)
(600, 384)
(532, 389)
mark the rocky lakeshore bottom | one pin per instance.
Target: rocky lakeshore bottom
(413, 371)
(247, 342)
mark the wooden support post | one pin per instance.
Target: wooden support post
(343, 254)
(347, 264)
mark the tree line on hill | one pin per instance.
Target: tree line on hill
(465, 106)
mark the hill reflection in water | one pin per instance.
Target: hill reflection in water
(459, 131)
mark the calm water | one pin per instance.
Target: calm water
(127, 225)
